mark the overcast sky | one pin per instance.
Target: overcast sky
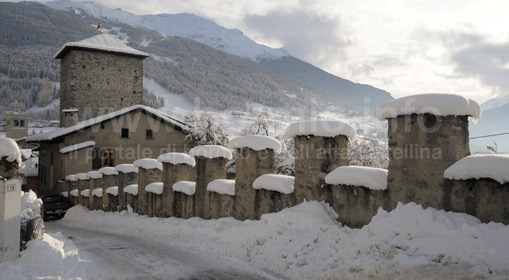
(404, 47)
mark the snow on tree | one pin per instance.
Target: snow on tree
(368, 152)
(204, 131)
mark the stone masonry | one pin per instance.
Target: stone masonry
(207, 170)
(145, 177)
(173, 173)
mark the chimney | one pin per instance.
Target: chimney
(70, 117)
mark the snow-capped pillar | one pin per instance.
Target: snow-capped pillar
(176, 167)
(255, 156)
(96, 182)
(320, 147)
(83, 184)
(72, 184)
(149, 171)
(427, 133)
(110, 179)
(10, 200)
(127, 175)
(210, 165)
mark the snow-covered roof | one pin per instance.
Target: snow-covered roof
(112, 190)
(126, 168)
(222, 186)
(211, 151)
(156, 188)
(132, 189)
(74, 193)
(71, 178)
(82, 176)
(94, 175)
(362, 176)
(495, 167)
(148, 163)
(177, 124)
(186, 187)
(275, 182)
(323, 128)
(108, 171)
(9, 149)
(98, 192)
(436, 104)
(85, 192)
(101, 42)
(177, 158)
(30, 167)
(255, 142)
(76, 147)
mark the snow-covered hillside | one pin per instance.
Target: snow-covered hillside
(205, 31)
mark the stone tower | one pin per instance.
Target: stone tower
(99, 75)
(16, 125)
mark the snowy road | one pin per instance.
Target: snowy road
(125, 257)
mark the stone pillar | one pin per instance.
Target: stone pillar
(82, 185)
(149, 171)
(127, 175)
(72, 183)
(210, 165)
(96, 182)
(421, 147)
(176, 167)
(110, 179)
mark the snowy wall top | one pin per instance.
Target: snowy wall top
(76, 147)
(71, 178)
(74, 192)
(211, 151)
(494, 167)
(101, 42)
(148, 163)
(321, 128)
(222, 186)
(9, 148)
(126, 168)
(97, 192)
(275, 182)
(436, 104)
(94, 175)
(108, 171)
(82, 176)
(156, 188)
(177, 158)
(361, 176)
(112, 190)
(255, 142)
(186, 187)
(132, 189)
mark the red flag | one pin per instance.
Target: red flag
(100, 25)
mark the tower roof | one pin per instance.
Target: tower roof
(101, 42)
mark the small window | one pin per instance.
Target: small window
(16, 123)
(125, 133)
(22, 123)
(109, 157)
(148, 134)
(102, 125)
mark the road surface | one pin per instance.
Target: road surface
(125, 257)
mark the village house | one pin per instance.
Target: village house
(102, 120)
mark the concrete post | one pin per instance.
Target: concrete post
(72, 183)
(127, 175)
(82, 185)
(10, 206)
(176, 167)
(110, 179)
(149, 171)
(95, 181)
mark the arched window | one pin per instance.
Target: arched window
(22, 123)
(16, 123)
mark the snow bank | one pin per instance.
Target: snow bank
(30, 167)
(436, 104)
(71, 178)
(94, 175)
(132, 189)
(148, 163)
(82, 176)
(177, 158)
(126, 168)
(85, 193)
(255, 142)
(156, 188)
(495, 167)
(103, 42)
(211, 151)
(108, 171)
(184, 187)
(112, 190)
(77, 147)
(97, 192)
(361, 176)
(321, 128)
(305, 242)
(74, 193)
(222, 186)
(9, 149)
(275, 182)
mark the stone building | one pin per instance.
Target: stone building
(102, 122)
(16, 125)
